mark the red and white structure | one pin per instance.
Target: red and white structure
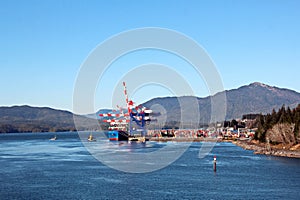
(122, 121)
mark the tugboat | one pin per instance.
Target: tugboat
(91, 138)
(52, 139)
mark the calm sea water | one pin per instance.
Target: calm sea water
(32, 167)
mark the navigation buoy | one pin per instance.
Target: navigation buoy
(215, 163)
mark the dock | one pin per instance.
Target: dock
(183, 139)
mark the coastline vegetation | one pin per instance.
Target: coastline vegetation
(287, 116)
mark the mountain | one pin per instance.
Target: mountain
(253, 98)
(96, 115)
(41, 119)
(259, 98)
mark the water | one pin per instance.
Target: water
(32, 167)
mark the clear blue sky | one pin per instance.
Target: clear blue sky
(43, 43)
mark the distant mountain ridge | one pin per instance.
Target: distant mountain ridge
(40, 119)
(259, 98)
(33, 113)
(253, 98)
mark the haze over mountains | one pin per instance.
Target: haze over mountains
(253, 98)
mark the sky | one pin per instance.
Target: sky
(44, 44)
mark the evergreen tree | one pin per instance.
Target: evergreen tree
(273, 118)
(282, 115)
(289, 116)
(266, 122)
(259, 134)
(279, 114)
(296, 121)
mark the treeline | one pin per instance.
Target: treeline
(42, 126)
(282, 116)
(31, 127)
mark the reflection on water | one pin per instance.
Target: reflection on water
(33, 167)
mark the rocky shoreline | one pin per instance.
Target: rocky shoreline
(291, 151)
(261, 148)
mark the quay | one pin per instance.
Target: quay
(198, 135)
(184, 139)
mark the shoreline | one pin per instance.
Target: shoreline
(255, 146)
(259, 148)
(289, 151)
(183, 139)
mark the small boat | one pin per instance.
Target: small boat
(91, 138)
(54, 138)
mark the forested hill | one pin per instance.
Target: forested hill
(39, 119)
(252, 98)
(259, 98)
